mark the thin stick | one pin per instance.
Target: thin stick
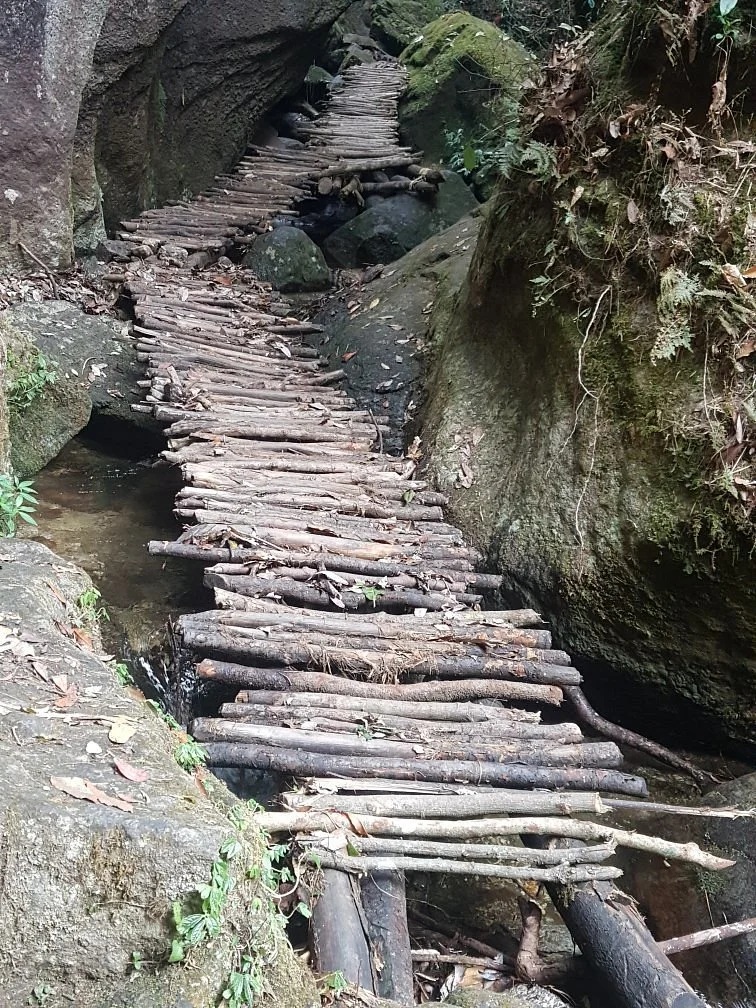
(708, 937)
(48, 271)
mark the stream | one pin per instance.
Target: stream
(100, 510)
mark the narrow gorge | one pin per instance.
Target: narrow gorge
(376, 500)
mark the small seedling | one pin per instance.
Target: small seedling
(123, 675)
(17, 502)
(27, 378)
(90, 611)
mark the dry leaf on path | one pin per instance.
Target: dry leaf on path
(121, 731)
(68, 699)
(633, 212)
(83, 638)
(348, 355)
(130, 772)
(78, 787)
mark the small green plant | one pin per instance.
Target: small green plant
(371, 592)
(725, 23)
(123, 675)
(17, 502)
(28, 375)
(90, 610)
(333, 983)
(189, 754)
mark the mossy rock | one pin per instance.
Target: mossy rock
(397, 23)
(289, 260)
(456, 69)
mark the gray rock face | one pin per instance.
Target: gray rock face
(391, 226)
(289, 260)
(117, 105)
(95, 373)
(84, 886)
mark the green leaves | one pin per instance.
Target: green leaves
(18, 500)
(27, 377)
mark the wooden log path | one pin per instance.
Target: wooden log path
(350, 640)
(358, 134)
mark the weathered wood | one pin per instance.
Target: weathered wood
(708, 937)
(339, 940)
(483, 852)
(436, 711)
(562, 874)
(591, 754)
(411, 729)
(385, 910)
(305, 764)
(537, 825)
(616, 943)
(321, 682)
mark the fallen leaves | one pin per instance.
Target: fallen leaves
(10, 642)
(78, 787)
(130, 772)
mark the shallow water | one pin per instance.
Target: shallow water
(100, 510)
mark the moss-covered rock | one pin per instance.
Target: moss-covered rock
(397, 23)
(458, 66)
(599, 361)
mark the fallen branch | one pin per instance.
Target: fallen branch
(564, 874)
(708, 937)
(476, 829)
(589, 716)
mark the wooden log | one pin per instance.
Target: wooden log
(338, 936)
(621, 951)
(300, 594)
(305, 764)
(483, 852)
(562, 874)
(441, 629)
(356, 657)
(708, 937)
(384, 903)
(444, 655)
(404, 727)
(443, 711)
(622, 735)
(525, 753)
(321, 682)
(536, 825)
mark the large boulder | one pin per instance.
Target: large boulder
(464, 74)
(397, 23)
(289, 260)
(118, 105)
(383, 325)
(600, 373)
(88, 887)
(95, 373)
(521, 996)
(391, 226)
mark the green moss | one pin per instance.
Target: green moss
(460, 40)
(457, 68)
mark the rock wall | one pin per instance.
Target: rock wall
(115, 105)
(606, 462)
(87, 888)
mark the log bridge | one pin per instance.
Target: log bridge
(419, 731)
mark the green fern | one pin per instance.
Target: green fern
(677, 291)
